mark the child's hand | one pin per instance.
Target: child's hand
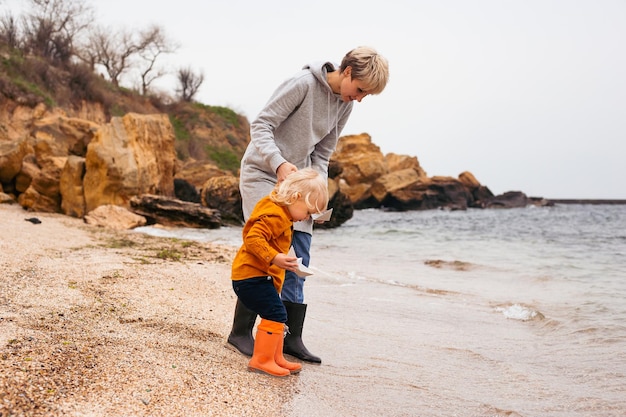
(286, 262)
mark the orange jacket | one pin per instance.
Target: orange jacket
(266, 233)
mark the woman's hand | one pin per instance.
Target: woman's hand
(284, 170)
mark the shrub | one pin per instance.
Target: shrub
(224, 158)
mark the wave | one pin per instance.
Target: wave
(520, 312)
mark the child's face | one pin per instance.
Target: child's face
(300, 211)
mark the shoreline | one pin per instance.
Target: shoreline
(134, 324)
(100, 322)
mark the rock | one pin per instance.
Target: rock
(29, 170)
(198, 172)
(170, 211)
(70, 136)
(222, 193)
(428, 194)
(397, 162)
(71, 187)
(11, 156)
(479, 192)
(133, 155)
(343, 209)
(43, 193)
(510, 199)
(469, 180)
(393, 181)
(114, 217)
(357, 162)
(6, 199)
(361, 160)
(183, 190)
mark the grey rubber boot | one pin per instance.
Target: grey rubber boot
(293, 341)
(241, 334)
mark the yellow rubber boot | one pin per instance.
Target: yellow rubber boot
(280, 360)
(269, 334)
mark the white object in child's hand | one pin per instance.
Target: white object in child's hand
(302, 271)
(323, 216)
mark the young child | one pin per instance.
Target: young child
(258, 270)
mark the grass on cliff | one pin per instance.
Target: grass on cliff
(202, 132)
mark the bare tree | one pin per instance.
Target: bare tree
(118, 52)
(189, 83)
(52, 27)
(112, 51)
(154, 44)
(10, 31)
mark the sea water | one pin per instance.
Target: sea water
(500, 312)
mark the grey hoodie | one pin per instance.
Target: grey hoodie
(300, 124)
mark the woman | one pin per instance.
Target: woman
(298, 128)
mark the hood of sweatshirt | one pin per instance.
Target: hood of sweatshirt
(319, 70)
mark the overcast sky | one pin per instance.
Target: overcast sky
(528, 95)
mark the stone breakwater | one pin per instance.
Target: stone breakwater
(584, 201)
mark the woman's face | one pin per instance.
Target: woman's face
(351, 88)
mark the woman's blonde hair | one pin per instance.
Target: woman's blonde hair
(367, 66)
(306, 183)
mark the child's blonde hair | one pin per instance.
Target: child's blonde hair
(306, 183)
(367, 66)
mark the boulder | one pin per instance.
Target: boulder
(6, 199)
(479, 192)
(360, 195)
(361, 161)
(11, 156)
(355, 164)
(397, 162)
(510, 199)
(114, 217)
(393, 181)
(132, 155)
(198, 172)
(427, 194)
(40, 176)
(33, 166)
(222, 193)
(70, 136)
(184, 190)
(29, 170)
(50, 158)
(17, 120)
(343, 209)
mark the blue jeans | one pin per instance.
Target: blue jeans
(293, 288)
(260, 296)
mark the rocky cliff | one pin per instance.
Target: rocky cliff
(53, 161)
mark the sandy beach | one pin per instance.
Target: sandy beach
(97, 322)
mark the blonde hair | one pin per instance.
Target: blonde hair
(306, 183)
(367, 66)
